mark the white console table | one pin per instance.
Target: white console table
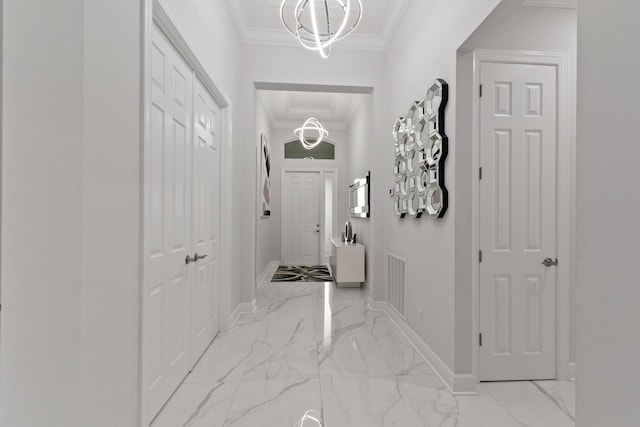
(347, 263)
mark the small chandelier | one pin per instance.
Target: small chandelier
(311, 22)
(312, 124)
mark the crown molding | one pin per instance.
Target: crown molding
(566, 4)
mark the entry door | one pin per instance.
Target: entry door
(517, 222)
(301, 218)
(167, 224)
(206, 215)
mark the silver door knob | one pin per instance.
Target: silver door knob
(548, 262)
(188, 260)
(198, 257)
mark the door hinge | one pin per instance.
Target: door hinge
(480, 91)
(480, 256)
(480, 174)
(480, 340)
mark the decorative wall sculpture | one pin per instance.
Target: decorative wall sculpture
(420, 150)
(265, 177)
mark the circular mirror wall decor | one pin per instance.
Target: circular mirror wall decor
(420, 150)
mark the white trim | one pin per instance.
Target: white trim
(336, 183)
(243, 308)
(571, 370)
(375, 305)
(565, 4)
(566, 151)
(271, 267)
(158, 12)
(458, 384)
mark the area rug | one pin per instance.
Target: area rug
(291, 273)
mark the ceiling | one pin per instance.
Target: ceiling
(290, 109)
(258, 22)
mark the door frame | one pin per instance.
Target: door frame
(158, 12)
(336, 187)
(565, 195)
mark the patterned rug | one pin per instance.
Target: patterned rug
(290, 273)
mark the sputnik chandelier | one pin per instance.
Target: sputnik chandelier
(312, 22)
(312, 124)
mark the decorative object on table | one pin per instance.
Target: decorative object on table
(291, 273)
(354, 239)
(348, 232)
(311, 125)
(421, 147)
(265, 177)
(317, 24)
(359, 197)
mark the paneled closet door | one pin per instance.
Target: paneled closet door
(168, 228)
(206, 214)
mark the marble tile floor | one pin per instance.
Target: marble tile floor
(314, 346)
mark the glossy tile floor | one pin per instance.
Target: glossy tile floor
(313, 346)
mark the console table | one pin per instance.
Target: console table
(347, 263)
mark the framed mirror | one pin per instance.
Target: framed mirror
(359, 197)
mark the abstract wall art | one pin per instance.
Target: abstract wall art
(265, 177)
(420, 150)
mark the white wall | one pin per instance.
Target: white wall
(71, 213)
(423, 49)
(360, 155)
(71, 203)
(511, 26)
(299, 66)
(264, 225)
(608, 223)
(280, 137)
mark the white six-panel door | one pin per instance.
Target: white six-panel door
(301, 218)
(206, 214)
(182, 192)
(517, 222)
(168, 225)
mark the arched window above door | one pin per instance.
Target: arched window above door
(326, 150)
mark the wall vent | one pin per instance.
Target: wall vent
(396, 283)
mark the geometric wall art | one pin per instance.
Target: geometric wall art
(265, 177)
(420, 150)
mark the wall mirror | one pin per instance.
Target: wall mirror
(359, 197)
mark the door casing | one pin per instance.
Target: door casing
(565, 194)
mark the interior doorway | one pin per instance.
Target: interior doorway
(280, 110)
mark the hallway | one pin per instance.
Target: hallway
(314, 346)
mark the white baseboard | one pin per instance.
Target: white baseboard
(242, 308)
(458, 384)
(375, 305)
(572, 371)
(272, 266)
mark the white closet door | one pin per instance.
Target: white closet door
(168, 212)
(518, 222)
(206, 216)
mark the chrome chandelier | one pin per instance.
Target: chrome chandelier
(312, 124)
(313, 22)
